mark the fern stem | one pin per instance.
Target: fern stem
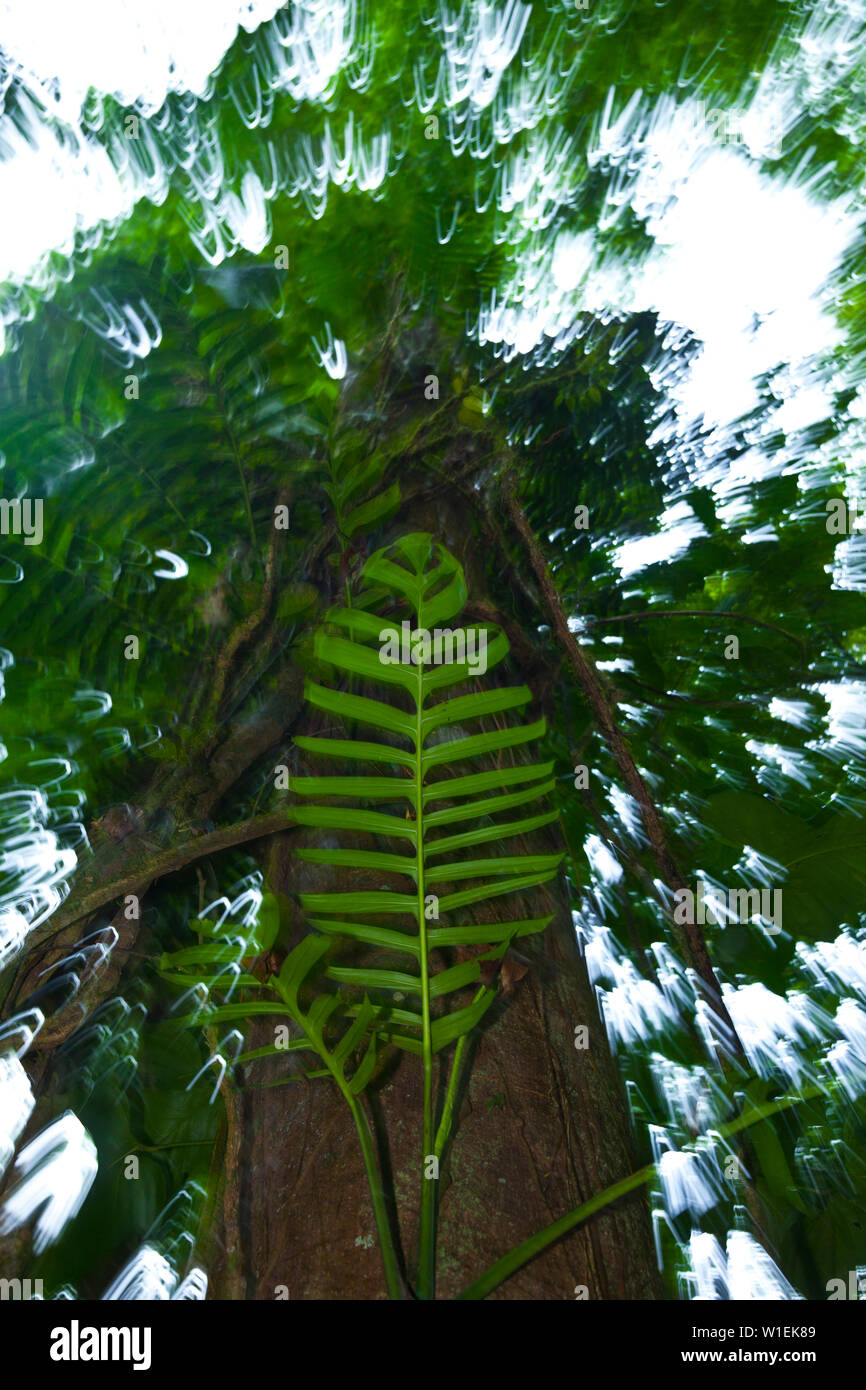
(445, 1122)
(429, 1186)
(393, 1278)
(444, 1129)
(522, 1254)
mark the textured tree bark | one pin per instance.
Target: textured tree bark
(542, 1126)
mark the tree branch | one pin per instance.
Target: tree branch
(168, 861)
(135, 872)
(692, 937)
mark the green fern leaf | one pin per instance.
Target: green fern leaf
(422, 735)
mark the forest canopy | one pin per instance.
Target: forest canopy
(544, 320)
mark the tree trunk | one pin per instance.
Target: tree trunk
(543, 1125)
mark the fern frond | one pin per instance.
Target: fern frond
(427, 726)
(430, 581)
